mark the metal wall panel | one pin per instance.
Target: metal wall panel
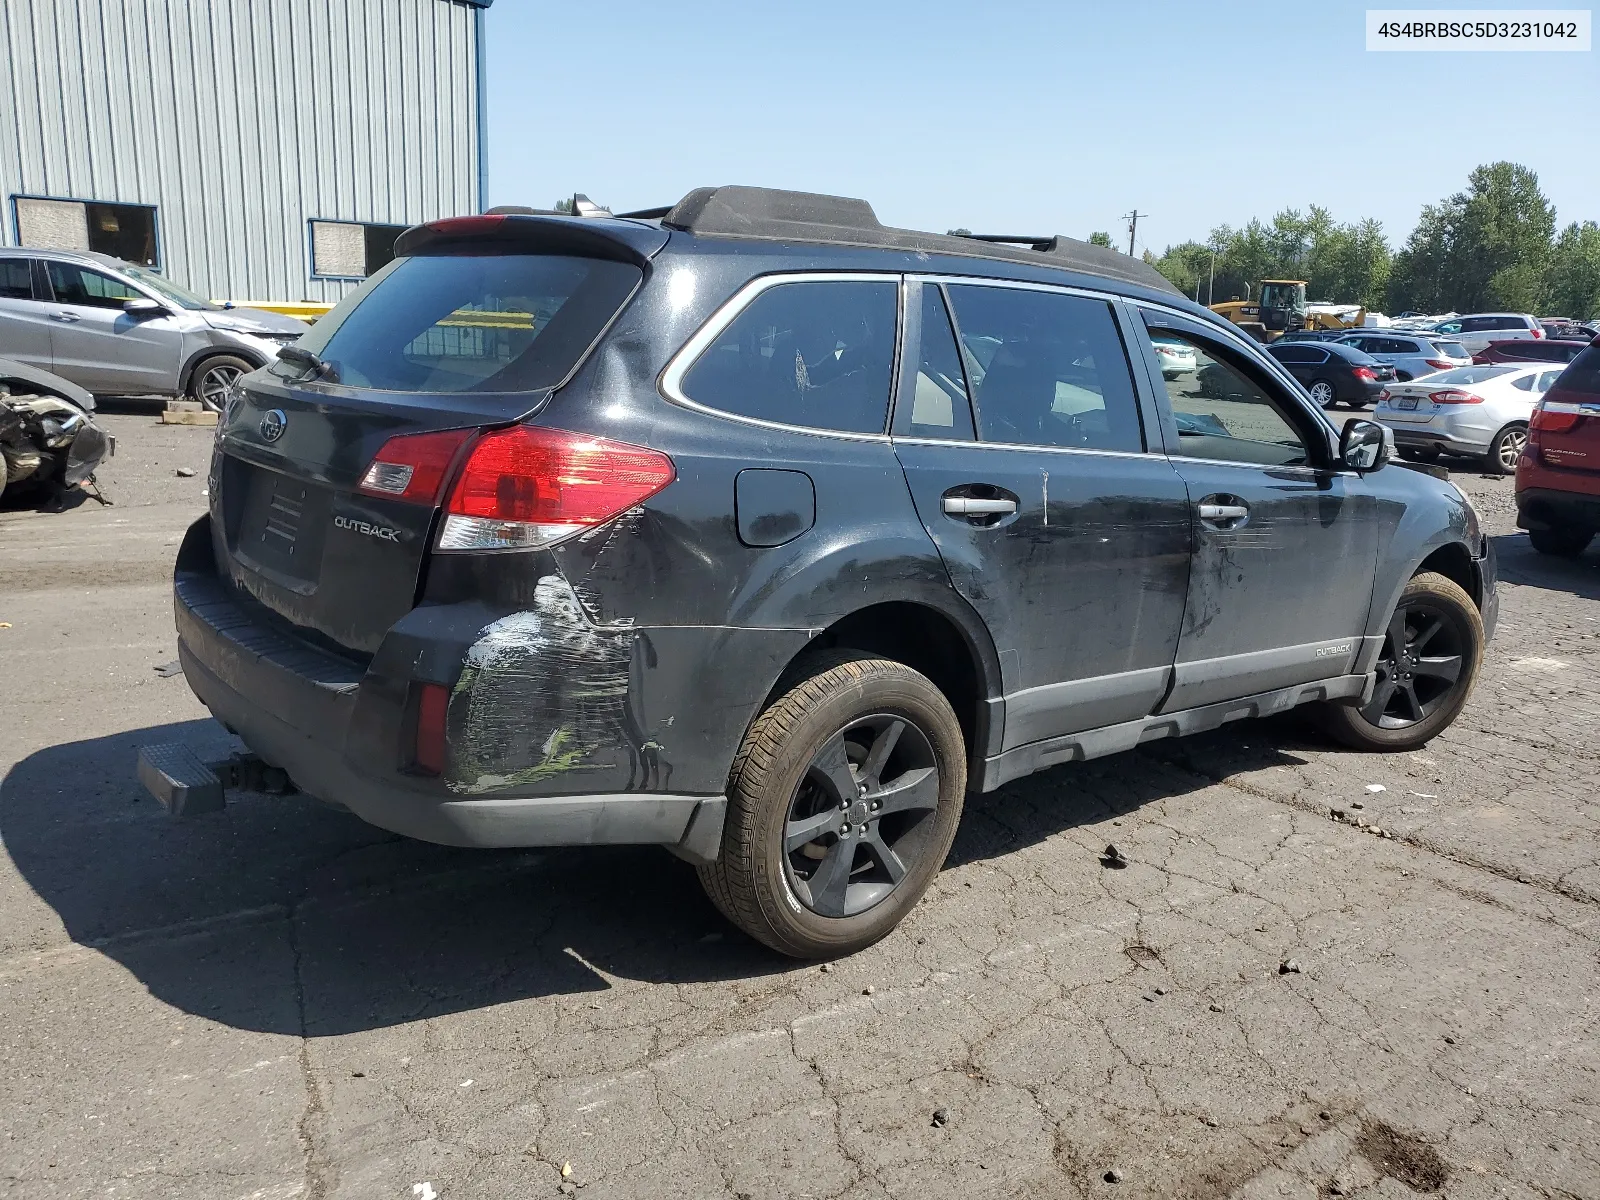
(242, 120)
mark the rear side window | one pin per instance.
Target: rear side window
(813, 353)
(16, 279)
(1582, 374)
(479, 323)
(1297, 354)
(1046, 369)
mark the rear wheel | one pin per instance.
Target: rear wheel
(1563, 543)
(1432, 650)
(214, 377)
(1506, 449)
(842, 806)
(1322, 392)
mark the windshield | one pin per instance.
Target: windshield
(181, 296)
(471, 323)
(1471, 374)
(1282, 295)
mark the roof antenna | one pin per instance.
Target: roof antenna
(582, 206)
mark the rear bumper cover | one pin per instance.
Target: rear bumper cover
(1550, 508)
(1427, 438)
(337, 729)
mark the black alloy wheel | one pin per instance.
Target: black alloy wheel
(1420, 666)
(858, 823)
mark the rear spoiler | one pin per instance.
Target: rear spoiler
(534, 233)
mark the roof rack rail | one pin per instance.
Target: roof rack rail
(777, 215)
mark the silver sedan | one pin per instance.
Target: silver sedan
(1479, 411)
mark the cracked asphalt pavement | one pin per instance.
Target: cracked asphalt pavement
(278, 1001)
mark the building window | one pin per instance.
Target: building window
(351, 249)
(125, 231)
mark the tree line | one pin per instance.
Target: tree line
(1493, 246)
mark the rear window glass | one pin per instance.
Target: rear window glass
(479, 323)
(817, 354)
(1451, 349)
(1470, 375)
(1582, 374)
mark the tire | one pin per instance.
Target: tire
(1566, 542)
(1419, 454)
(783, 786)
(1507, 445)
(1434, 613)
(1323, 393)
(212, 377)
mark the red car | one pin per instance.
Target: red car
(1544, 350)
(1558, 475)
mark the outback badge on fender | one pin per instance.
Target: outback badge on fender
(273, 422)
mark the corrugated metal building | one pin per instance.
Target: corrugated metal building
(249, 149)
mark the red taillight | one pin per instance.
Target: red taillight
(1383, 395)
(1439, 364)
(526, 487)
(1537, 332)
(1455, 396)
(1366, 373)
(1553, 420)
(433, 701)
(413, 466)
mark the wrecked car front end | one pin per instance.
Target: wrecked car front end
(49, 441)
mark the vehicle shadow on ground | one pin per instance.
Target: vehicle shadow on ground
(285, 916)
(1520, 563)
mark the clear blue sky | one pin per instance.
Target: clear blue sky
(1019, 117)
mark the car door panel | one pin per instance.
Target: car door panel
(99, 346)
(25, 324)
(1284, 552)
(1081, 581)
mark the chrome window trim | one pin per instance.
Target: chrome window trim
(689, 353)
(1028, 285)
(1249, 466)
(925, 441)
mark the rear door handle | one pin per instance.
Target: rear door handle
(967, 506)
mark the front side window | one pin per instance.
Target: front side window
(1046, 369)
(1225, 412)
(73, 284)
(16, 279)
(470, 323)
(816, 353)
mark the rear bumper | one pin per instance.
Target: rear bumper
(341, 731)
(1426, 437)
(1548, 508)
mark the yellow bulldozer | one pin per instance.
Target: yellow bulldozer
(1282, 309)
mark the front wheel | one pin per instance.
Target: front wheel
(1506, 449)
(842, 805)
(1432, 650)
(1562, 543)
(1322, 392)
(214, 378)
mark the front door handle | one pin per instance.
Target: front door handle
(65, 316)
(1222, 512)
(969, 506)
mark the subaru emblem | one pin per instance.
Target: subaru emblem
(273, 423)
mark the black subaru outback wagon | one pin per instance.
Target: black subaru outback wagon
(761, 531)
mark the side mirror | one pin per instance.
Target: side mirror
(143, 307)
(1365, 445)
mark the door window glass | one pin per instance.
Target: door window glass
(939, 404)
(817, 354)
(16, 279)
(1295, 354)
(1046, 369)
(1524, 384)
(79, 285)
(1224, 412)
(1546, 380)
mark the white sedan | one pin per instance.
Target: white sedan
(1481, 411)
(1176, 358)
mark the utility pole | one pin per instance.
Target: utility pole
(1133, 227)
(1211, 284)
